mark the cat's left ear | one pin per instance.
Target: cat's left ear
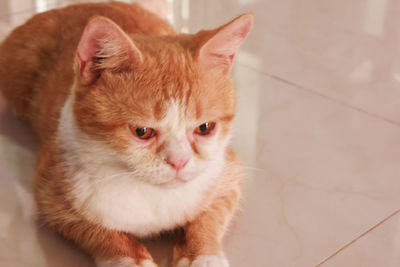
(218, 48)
(104, 45)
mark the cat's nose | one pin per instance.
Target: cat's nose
(177, 163)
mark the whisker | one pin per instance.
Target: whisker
(117, 175)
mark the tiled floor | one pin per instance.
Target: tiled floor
(318, 128)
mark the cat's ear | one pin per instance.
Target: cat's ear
(104, 45)
(218, 47)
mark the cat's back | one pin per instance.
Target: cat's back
(36, 59)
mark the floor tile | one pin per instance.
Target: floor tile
(380, 247)
(322, 174)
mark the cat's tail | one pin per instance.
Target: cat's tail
(158, 7)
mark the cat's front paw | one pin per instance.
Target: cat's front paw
(146, 263)
(125, 262)
(210, 261)
(204, 261)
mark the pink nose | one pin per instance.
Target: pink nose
(177, 164)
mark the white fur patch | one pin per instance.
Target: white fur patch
(184, 262)
(147, 263)
(125, 262)
(121, 262)
(210, 261)
(104, 190)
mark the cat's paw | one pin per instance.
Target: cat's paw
(184, 262)
(210, 261)
(125, 262)
(204, 261)
(146, 263)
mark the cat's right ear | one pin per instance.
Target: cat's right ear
(104, 45)
(217, 48)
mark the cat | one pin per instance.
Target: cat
(133, 120)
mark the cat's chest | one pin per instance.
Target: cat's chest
(136, 207)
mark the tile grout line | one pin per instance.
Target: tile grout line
(358, 238)
(310, 91)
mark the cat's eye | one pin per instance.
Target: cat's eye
(205, 128)
(143, 133)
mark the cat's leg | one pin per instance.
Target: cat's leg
(200, 244)
(109, 248)
(159, 7)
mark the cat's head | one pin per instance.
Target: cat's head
(162, 104)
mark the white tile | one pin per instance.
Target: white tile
(381, 247)
(324, 173)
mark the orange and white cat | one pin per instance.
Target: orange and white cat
(134, 121)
